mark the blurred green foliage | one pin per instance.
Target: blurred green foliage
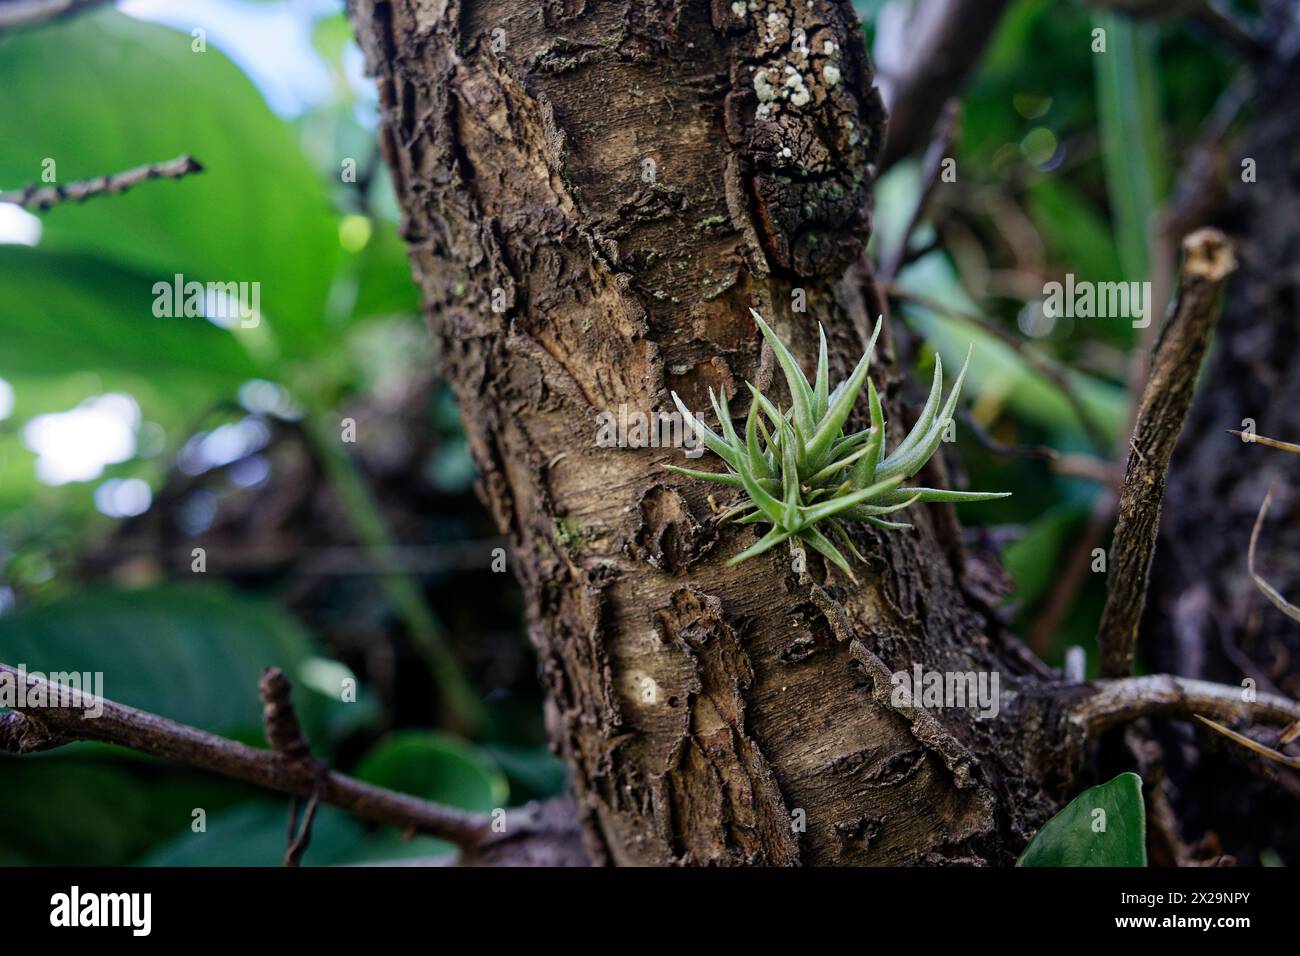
(339, 311)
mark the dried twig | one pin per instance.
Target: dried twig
(1074, 466)
(40, 198)
(534, 833)
(1261, 440)
(1273, 594)
(1165, 401)
(1263, 750)
(284, 734)
(1045, 366)
(1162, 695)
(940, 148)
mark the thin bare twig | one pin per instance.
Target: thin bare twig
(940, 148)
(1163, 695)
(1040, 363)
(1074, 466)
(1165, 400)
(538, 833)
(284, 733)
(1261, 440)
(40, 198)
(1263, 750)
(1273, 594)
(27, 13)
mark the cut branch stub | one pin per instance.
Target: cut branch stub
(1166, 398)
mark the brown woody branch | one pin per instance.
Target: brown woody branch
(1162, 695)
(942, 140)
(1197, 193)
(40, 198)
(923, 61)
(1161, 413)
(534, 833)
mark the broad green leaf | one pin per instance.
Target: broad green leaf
(437, 767)
(534, 773)
(74, 807)
(69, 312)
(254, 835)
(126, 93)
(1103, 826)
(994, 364)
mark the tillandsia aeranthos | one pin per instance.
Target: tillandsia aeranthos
(803, 475)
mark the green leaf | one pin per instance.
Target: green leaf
(765, 543)
(73, 807)
(827, 509)
(711, 438)
(767, 503)
(926, 419)
(1103, 826)
(1128, 114)
(790, 476)
(757, 462)
(65, 312)
(994, 365)
(830, 427)
(907, 461)
(840, 464)
(534, 773)
(818, 540)
(254, 835)
(189, 653)
(821, 399)
(437, 767)
(731, 481)
(866, 467)
(125, 93)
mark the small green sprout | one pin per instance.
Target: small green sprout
(803, 475)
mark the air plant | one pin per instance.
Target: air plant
(803, 475)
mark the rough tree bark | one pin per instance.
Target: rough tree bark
(622, 181)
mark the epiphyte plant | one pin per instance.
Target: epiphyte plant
(803, 475)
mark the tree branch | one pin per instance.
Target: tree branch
(941, 142)
(923, 58)
(1163, 409)
(28, 729)
(1162, 695)
(40, 198)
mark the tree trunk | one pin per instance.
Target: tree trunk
(594, 194)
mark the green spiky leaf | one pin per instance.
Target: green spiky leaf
(803, 475)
